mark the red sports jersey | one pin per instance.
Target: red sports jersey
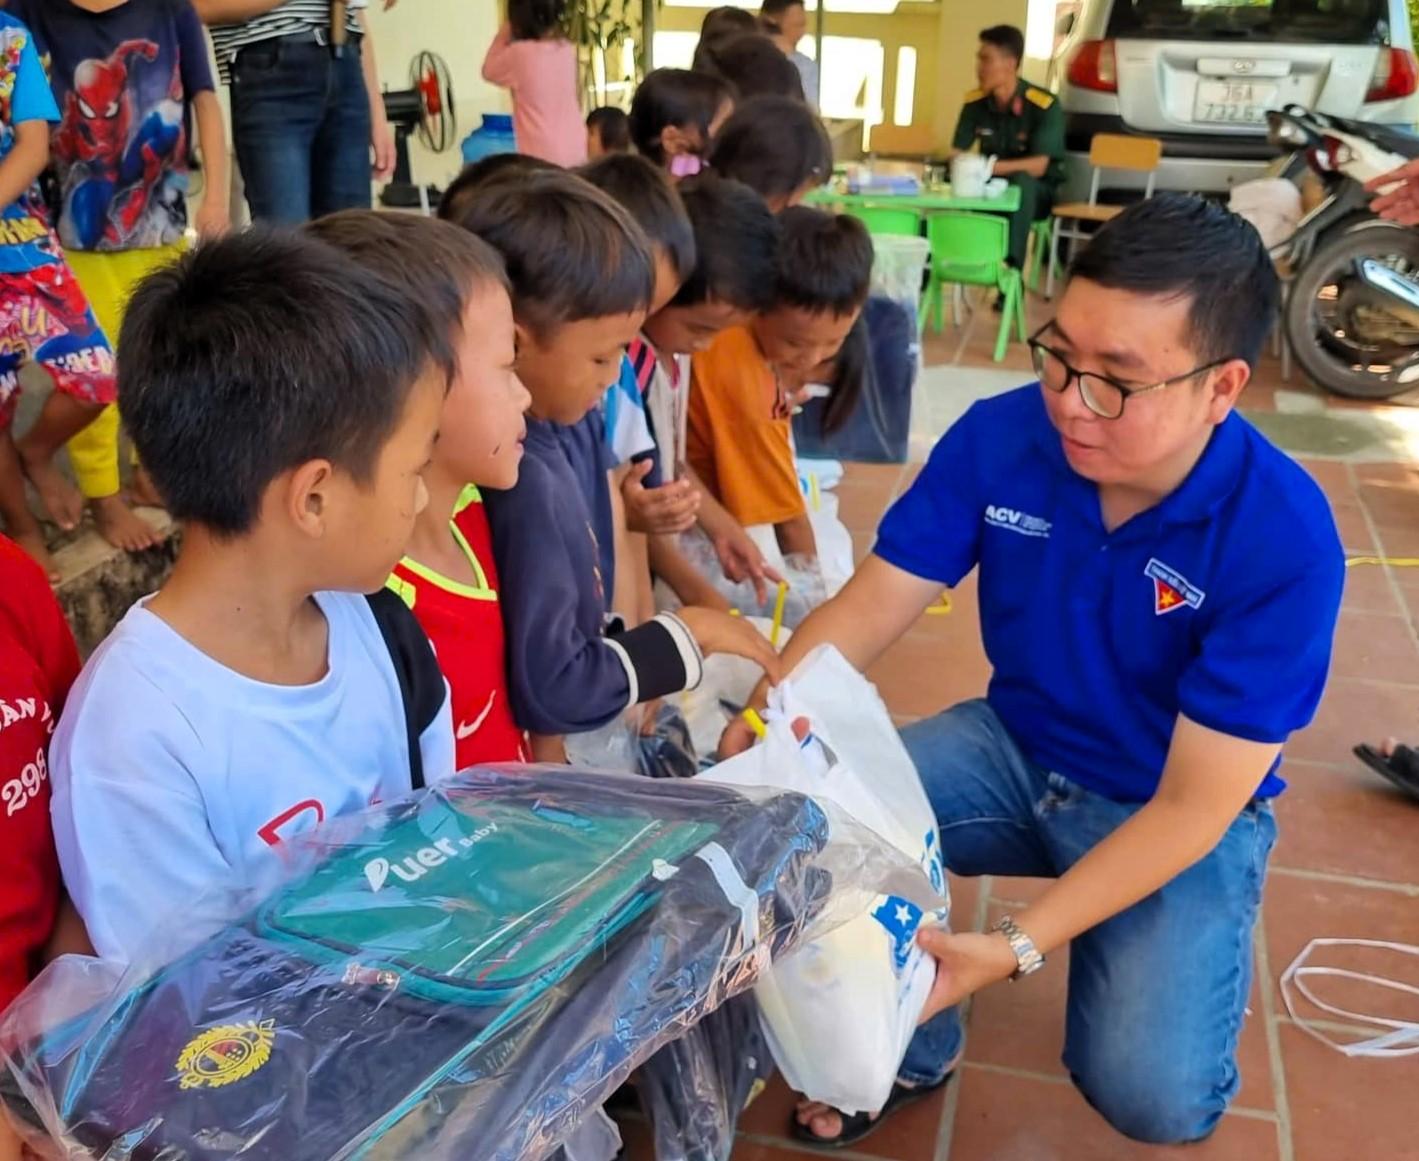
(38, 664)
(465, 624)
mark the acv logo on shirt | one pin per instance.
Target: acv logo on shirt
(1013, 520)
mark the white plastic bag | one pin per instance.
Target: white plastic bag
(724, 690)
(840, 1011)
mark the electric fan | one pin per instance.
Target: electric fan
(425, 107)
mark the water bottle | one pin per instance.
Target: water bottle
(494, 135)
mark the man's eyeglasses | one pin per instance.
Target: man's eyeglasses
(1103, 396)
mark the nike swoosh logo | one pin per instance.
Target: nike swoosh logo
(467, 729)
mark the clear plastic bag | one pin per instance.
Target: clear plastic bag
(615, 746)
(466, 973)
(841, 1009)
(806, 590)
(668, 751)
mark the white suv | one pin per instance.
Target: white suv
(1200, 75)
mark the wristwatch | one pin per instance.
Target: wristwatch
(1028, 958)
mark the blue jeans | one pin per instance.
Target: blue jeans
(1157, 994)
(301, 126)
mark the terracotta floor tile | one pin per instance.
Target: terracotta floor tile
(922, 673)
(1010, 1118)
(1347, 821)
(1375, 645)
(1355, 711)
(1398, 539)
(965, 895)
(1391, 501)
(1354, 529)
(1344, 1108)
(759, 1151)
(1333, 476)
(870, 475)
(1368, 589)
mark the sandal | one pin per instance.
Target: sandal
(860, 1125)
(1400, 768)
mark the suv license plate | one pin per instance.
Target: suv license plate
(1233, 102)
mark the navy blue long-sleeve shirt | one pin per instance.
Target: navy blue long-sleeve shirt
(567, 675)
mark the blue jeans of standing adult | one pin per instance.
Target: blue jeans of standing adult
(1157, 994)
(301, 126)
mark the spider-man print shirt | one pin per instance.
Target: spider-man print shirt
(25, 240)
(124, 79)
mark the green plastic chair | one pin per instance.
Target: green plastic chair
(888, 220)
(970, 250)
(1042, 252)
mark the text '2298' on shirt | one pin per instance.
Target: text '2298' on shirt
(1218, 604)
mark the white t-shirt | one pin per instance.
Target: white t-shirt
(175, 776)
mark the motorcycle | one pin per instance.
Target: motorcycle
(1352, 301)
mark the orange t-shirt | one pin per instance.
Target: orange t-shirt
(742, 452)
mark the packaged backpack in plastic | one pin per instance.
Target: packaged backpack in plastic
(840, 1010)
(464, 974)
(695, 1088)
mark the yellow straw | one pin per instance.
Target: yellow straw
(734, 612)
(778, 613)
(939, 606)
(814, 493)
(756, 723)
(1392, 561)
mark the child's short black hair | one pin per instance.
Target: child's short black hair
(257, 353)
(483, 170)
(753, 64)
(571, 252)
(533, 19)
(736, 238)
(646, 193)
(439, 266)
(774, 145)
(824, 261)
(679, 97)
(612, 126)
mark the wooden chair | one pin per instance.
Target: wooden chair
(1107, 151)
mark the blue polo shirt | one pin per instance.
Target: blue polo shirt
(1219, 603)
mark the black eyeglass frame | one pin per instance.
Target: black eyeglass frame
(1075, 376)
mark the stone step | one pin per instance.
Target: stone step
(99, 583)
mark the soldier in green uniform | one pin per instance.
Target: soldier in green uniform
(1023, 126)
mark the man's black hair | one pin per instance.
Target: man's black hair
(752, 64)
(1006, 37)
(736, 238)
(533, 19)
(771, 10)
(571, 252)
(646, 192)
(679, 97)
(824, 261)
(257, 353)
(774, 145)
(612, 126)
(1179, 246)
(439, 266)
(477, 173)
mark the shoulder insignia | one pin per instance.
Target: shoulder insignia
(1039, 97)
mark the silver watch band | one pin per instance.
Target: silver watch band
(1028, 958)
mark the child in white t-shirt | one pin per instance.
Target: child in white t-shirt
(285, 402)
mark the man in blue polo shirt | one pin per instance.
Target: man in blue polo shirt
(1158, 593)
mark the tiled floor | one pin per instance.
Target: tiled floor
(1347, 863)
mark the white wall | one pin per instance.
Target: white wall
(460, 32)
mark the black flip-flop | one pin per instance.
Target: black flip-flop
(861, 1125)
(1401, 768)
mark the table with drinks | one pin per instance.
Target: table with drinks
(907, 186)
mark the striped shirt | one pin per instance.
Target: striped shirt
(289, 18)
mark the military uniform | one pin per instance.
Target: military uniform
(1031, 125)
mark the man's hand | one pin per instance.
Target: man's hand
(1402, 203)
(718, 632)
(214, 218)
(382, 143)
(965, 963)
(741, 560)
(666, 510)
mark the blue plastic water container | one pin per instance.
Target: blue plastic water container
(494, 135)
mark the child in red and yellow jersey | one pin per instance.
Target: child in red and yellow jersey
(447, 575)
